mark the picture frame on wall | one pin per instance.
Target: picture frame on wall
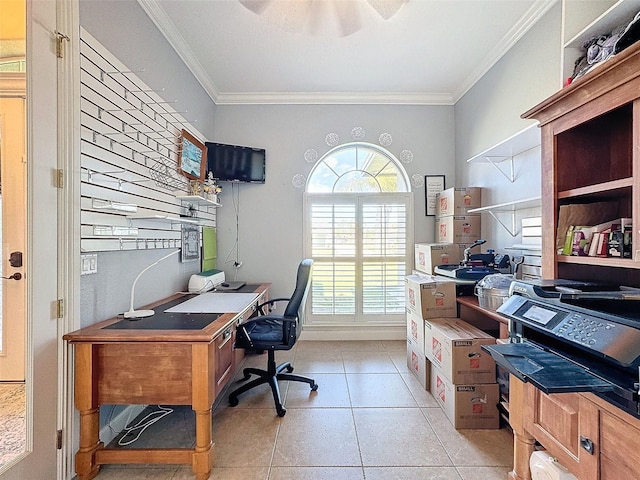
(433, 185)
(190, 251)
(192, 157)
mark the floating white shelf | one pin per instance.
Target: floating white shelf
(164, 219)
(198, 200)
(619, 12)
(507, 149)
(511, 208)
(522, 204)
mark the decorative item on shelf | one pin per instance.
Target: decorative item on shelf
(196, 188)
(211, 188)
(192, 158)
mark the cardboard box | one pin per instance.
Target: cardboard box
(458, 229)
(458, 201)
(454, 347)
(430, 297)
(430, 255)
(466, 405)
(418, 364)
(415, 329)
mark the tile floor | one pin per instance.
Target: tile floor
(369, 420)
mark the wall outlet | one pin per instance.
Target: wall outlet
(88, 263)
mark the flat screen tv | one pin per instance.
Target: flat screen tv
(234, 163)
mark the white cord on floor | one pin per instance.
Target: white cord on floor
(143, 424)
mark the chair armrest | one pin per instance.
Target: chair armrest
(270, 303)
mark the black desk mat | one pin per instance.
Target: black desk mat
(162, 320)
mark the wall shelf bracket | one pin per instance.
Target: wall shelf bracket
(511, 176)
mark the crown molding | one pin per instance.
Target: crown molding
(160, 18)
(333, 98)
(528, 20)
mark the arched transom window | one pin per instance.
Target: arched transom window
(357, 167)
(358, 230)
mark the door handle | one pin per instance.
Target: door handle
(587, 444)
(15, 276)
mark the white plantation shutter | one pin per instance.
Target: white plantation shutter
(360, 245)
(384, 256)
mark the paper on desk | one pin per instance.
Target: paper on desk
(215, 302)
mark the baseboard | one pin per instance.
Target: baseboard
(118, 422)
(370, 332)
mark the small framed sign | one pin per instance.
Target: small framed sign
(192, 157)
(190, 243)
(433, 184)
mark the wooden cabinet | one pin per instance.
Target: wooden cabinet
(590, 437)
(591, 154)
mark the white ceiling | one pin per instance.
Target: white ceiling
(430, 52)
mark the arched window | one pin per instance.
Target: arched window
(358, 230)
(357, 167)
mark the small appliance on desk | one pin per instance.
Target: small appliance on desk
(204, 281)
(475, 266)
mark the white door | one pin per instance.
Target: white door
(41, 252)
(13, 219)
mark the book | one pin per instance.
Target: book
(581, 240)
(603, 243)
(593, 247)
(568, 241)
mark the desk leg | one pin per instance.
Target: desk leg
(87, 403)
(203, 453)
(203, 385)
(519, 418)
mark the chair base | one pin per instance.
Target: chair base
(270, 376)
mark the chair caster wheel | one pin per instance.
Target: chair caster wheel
(281, 412)
(289, 368)
(233, 402)
(314, 387)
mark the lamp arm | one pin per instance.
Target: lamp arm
(133, 287)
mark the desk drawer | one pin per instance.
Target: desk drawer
(225, 357)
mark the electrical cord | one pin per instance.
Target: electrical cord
(235, 197)
(143, 424)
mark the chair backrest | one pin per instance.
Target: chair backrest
(296, 305)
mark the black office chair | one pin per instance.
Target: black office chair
(275, 332)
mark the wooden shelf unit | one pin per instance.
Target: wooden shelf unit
(591, 153)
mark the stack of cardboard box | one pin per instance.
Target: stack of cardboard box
(426, 297)
(463, 376)
(454, 224)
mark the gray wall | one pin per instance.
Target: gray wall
(270, 215)
(490, 113)
(128, 33)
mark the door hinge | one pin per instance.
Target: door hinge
(60, 39)
(59, 180)
(59, 440)
(60, 308)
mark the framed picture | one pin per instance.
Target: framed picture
(190, 243)
(433, 184)
(192, 157)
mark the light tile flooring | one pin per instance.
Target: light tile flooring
(369, 420)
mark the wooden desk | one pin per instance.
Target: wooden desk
(187, 364)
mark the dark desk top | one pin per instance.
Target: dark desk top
(165, 326)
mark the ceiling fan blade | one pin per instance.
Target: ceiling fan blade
(256, 6)
(348, 15)
(387, 8)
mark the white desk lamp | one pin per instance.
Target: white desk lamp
(143, 313)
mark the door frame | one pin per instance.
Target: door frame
(51, 267)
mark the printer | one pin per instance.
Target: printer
(205, 281)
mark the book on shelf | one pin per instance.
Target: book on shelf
(593, 240)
